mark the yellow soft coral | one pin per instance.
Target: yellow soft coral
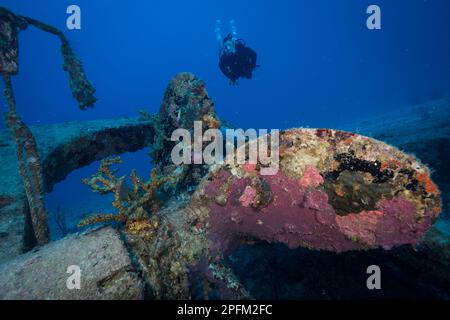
(143, 228)
(134, 205)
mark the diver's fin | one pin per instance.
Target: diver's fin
(233, 28)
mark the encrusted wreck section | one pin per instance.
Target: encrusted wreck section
(235, 205)
(29, 163)
(423, 130)
(63, 148)
(185, 101)
(30, 166)
(334, 191)
(12, 24)
(105, 268)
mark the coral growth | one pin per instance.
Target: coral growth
(10, 26)
(185, 101)
(311, 178)
(334, 191)
(235, 205)
(248, 196)
(134, 205)
(143, 228)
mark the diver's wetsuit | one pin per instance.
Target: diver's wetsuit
(238, 64)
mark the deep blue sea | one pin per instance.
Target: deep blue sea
(320, 65)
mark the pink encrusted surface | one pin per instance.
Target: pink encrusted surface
(302, 216)
(311, 178)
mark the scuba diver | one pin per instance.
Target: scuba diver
(236, 59)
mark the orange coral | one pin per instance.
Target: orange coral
(429, 185)
(348, 141)
(211, 122)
